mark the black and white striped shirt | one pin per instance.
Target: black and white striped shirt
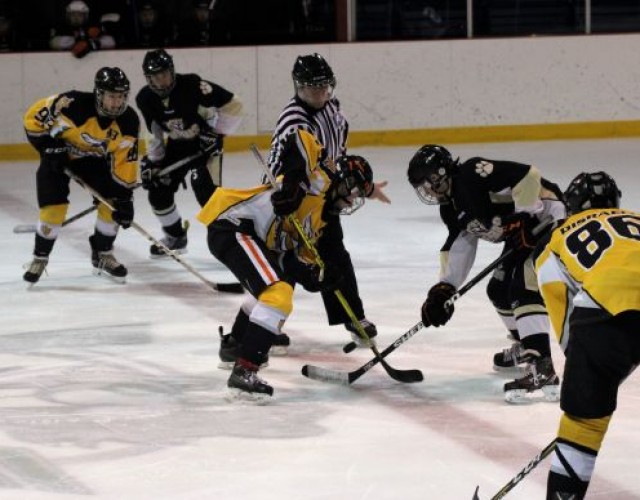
(328, 125)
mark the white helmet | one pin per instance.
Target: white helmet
(77, 6)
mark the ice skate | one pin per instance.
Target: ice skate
(511, 357)
(540, 376)
(177, 244)
(105, 264)
(35, 269)
(368, 327)
(245, 385)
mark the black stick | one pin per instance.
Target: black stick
(520, 475)
(347, 378)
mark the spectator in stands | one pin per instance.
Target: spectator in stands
(7, 34)
(151, 31)
(195, 28)
(79, 35)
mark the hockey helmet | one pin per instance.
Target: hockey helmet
(159, 71)
(112, 81)
(313, 80)
(77, 13)
(592, 190)
(351, 184)
(430, 172)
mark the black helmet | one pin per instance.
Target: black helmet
(592, 190)
(157, 61)
(351, 184)
(312, 71)
(430, 172)
(110, 80)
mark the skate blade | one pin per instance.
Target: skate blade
(180, 251)
(550, 394)
(279, 350)
(236, 396)
(121, 280)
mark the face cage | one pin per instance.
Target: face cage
(111, 114)
(433, 195)
(343, 192)
(160, 91)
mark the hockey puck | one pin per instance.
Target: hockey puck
(349, 347)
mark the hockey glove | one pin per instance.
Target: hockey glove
(210, 143)
(149, 174)
(518, 230)
(288, 198)
(434, 310)
(309, 275)
(123, 212)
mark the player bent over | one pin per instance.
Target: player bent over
(500, 202)
(266, 254)
(95, 136)
(589, 275)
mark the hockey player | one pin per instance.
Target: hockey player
(266, 254)
(95, 135)
(314, 108)
(588, 270)
(496, 201)
(193, 115)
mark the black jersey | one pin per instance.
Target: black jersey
(328, 125)
(182, 115)
(482, 192)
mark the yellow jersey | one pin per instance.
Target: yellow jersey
(73, 118)
(592, 260)
(254, 204)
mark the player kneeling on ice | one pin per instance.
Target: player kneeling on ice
(588, 271)
(500, 202)
(95, 136)
(266, 254)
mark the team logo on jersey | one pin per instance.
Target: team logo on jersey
(205, 87)
(46, 230)
(484, 168)
(93, 142)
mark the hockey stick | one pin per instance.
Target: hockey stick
(520, 475)
(406, 376)
(31, 228)
(473, 281)
(220, 287)
(341, 377)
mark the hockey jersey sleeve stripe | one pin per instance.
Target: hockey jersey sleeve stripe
(259, 261)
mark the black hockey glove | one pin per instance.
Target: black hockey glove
(518, 230)
(149, 174)
(434, 310)
(287, 200)
(123, 212)
(309, 275)
(210, 143)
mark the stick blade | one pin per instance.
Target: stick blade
(475, 495)
(24, 228)
(406, 376)
(228, 287)
(324, 375)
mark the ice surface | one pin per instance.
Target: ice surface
(111, 391)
